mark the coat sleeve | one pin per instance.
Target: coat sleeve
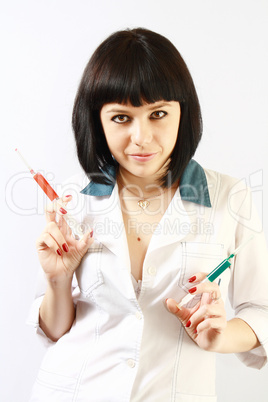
(248, 289)
(33, 315)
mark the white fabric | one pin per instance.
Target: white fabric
(124, 348)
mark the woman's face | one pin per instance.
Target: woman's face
(142, 138)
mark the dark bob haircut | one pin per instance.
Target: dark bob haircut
(137, 66)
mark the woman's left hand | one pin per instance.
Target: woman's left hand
(206, 321)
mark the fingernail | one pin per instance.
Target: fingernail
(65, 247)
(63, 211)
(195, 331)
(188, 324)
(91, 233)
(192, 290)
(59, 252)
(192, 279)
(67, 196)
(166, 300)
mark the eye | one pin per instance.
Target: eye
(159, 114)
(120, 118)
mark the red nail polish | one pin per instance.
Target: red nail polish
(63, 211)
(192, 279)
(91, 233)
(65, 247)
(188, 324)
(67, 196)
(59, 252)
(192, 290)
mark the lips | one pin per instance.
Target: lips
(142, 157)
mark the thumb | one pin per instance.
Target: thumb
(85, 242)
(182, 314)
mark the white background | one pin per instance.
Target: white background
(45, 45)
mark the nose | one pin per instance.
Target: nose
(141, 133)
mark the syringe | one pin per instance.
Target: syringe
(53, 196)
(216, 272)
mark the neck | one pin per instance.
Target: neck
(143, 194)
(141, 186)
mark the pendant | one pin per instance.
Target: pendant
(143, 204)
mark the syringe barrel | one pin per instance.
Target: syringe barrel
(219, 270)
(45, 186)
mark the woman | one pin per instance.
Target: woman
(160, 223)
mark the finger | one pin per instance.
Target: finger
(64, 217)
(215, 296)
(53, 230)
(216, 323)
(198, 277)
(85, 242)
(182, 314)
(64, 227)
(205, 312)
(66, 199)
(46, 241)
(57, 207)
(206, 287)
(50, 212)
(53, 209)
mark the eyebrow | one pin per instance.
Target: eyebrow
(115, 110)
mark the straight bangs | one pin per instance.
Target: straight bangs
(136, 72)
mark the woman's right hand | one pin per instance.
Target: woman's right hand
(59, 252)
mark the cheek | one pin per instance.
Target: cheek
(169, 141)
(116, 142)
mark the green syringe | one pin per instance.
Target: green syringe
(216, 272)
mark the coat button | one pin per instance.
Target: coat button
(138, 315)
(151, 271)
(131, 363)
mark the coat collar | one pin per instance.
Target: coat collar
(193, 185)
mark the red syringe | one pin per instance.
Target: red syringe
(52, 195)
(40, 180)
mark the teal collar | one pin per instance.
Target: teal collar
(193, 185)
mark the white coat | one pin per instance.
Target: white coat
(123, 347)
